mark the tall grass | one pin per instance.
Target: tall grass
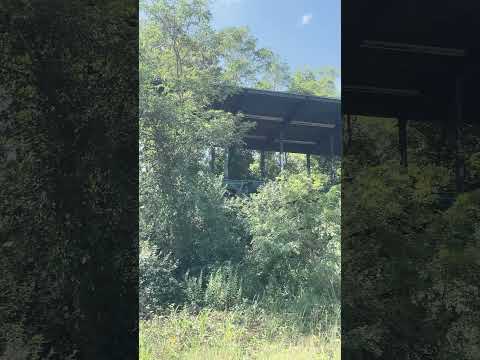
(243, 333)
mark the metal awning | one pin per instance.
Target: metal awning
(304, 124)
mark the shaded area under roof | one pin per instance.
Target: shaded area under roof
(404, 58)
(305, 124)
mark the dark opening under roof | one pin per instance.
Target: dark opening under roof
(403, 58)
(305, 124)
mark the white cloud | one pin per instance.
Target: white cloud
(306, 19)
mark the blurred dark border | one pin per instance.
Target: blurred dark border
(410, 206)
(69, 179)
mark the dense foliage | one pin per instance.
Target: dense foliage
(410, 247)
(294, 251)
(278, 248)
(68, 205)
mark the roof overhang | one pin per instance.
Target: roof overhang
(414, 49)
(302, 123)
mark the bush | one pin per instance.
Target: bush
(194, 291)
(224, 288)
(221, 289)
(158, 286)
(18, 345)
(294, 223)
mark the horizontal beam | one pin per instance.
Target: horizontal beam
(262, 117)
(412, 48)
(287, 141)
(256, 137)
(321, 148)
(300, 142)
(281, 119)
(290, 95)
(378, 90)
(311, 124)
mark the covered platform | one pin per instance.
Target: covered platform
(284, 123)
(413, 61)
(289, 122)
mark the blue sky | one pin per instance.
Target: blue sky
(302, 32)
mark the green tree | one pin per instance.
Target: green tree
(319, 82)
(241, 59)
(181, 203)
(276, 75)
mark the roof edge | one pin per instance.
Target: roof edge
(290, 95)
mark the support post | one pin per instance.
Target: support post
(308, 165)
(226, 163)
(262, 164)
(349, 131)
(332, 157)
(443, 142)
(282, 153)
(402, 141)
(212, 159)
(459, 153)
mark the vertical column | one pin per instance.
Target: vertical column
(308, 165)
(262, 164)
(332, 156)
(349, 131)
(459, 153)
(226, 163)
(282, 152)
(212, 159)
(443, 142)
(402, 141)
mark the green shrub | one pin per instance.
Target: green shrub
(18, 345)
(158, 286)
(194, 291)
(224, 288)
(294, 224)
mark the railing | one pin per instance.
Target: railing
(235, 187)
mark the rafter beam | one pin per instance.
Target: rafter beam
(264, 118)
(278, 140)
(412, 48)
(281, 120)
(382, 91)
(312, 124)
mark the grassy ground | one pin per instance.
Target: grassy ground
(232, 335)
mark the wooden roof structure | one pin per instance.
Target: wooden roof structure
(411, 59)
(298, 123)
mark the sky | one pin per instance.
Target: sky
(301, 32)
